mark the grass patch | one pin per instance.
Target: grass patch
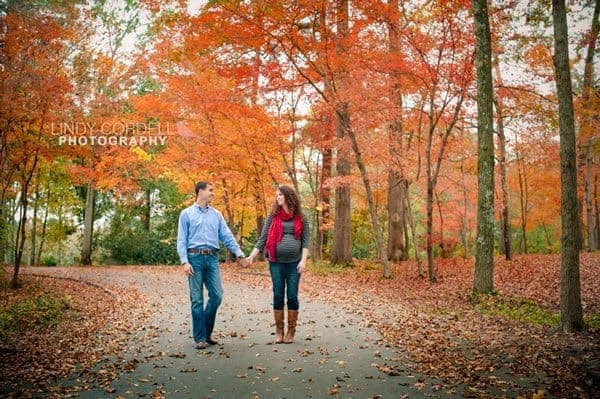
(520, 309)
(323, 268)
(43, 311)
(593, 321)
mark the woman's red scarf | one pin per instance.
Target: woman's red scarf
(276, 230)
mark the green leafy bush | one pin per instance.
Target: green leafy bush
(139, 247)
(49, 261)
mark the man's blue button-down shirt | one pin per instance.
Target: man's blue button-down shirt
(203, 228)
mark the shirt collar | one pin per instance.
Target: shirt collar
(202, 209)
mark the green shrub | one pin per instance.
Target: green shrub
(139, 247)
(49, 261)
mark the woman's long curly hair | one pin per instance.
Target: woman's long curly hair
(292, 200)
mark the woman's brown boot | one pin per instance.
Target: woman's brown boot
(291, 331)
(278, 326)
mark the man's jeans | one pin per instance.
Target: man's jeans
(282, 275)
(206, 272)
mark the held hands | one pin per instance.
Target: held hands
(244, 262)
(250, 257)
(247, 262)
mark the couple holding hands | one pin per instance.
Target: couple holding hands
(284, 239)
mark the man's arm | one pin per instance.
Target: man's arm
(182, 242)
(182, 237)
(227, 238)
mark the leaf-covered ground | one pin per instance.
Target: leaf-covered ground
(442, 329)
(95, 326)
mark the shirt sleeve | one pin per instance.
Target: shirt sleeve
(305, 233)
(182, 236)
(262, 240)
(227, 238)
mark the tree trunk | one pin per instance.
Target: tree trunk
(44, 225)
(342, 239)
(547, 236)
(12, 238)
(433, 169)
(147, 209)
(570, 287)
(341, 253)
(20, 237)
(589, 175)
(411, 222)
(88, 226)
(429, 225)
(463, 225)
(597, 208)
(59, 250)
(445, 251)
(387, 272)
(261, 210)
(230, 218)
(325, 194)
(506, 239)
(19, 243)
(589, 58)
(3, 233)
(327, 163)
(36, 205)
(587, 129)
(396, 245)
(483, 281)
(523, 200)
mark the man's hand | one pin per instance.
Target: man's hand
(187, 269)
(243, 262)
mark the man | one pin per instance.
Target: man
(201, 227)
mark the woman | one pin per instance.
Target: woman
(284, 238)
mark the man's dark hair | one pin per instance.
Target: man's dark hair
(201, 185)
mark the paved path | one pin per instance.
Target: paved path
(335, 354)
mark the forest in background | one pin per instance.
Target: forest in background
(368, 108)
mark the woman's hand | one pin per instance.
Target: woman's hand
(301, 266)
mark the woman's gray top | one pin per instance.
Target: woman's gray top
(289, 249)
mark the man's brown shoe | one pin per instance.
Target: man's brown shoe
(211, 341)
(201, 345)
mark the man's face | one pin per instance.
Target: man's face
(206, 195)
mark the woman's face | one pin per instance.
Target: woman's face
(279, 198)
